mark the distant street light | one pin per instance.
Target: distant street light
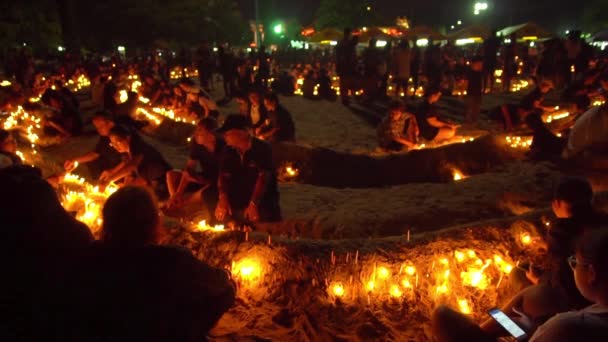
(479, 7)
(369, 8)
(278, 28)
(459, 22)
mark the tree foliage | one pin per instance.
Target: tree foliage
(595, 16)
(34, 22)
(346, 13)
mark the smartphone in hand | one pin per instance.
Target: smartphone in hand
(508, 324)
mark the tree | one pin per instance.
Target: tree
(594, 16)
(34, 22)
(346, 13)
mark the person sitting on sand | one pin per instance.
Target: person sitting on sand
(103, 157)
(66, 93)
(398, 130)
(589, 265)
(427, 117)
(130, 287)
(141, 163)
(554, 291)
(8, 150)
(247, 182)
(279, 126)
(205, 151)
(196, 96)
(65, 118)
(513, 115)
(257, 111)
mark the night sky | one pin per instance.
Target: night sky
(557, 15)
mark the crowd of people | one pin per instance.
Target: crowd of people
(79, 289)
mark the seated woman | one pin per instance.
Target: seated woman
(196, 96)
(129, 287)
(393, 134)
(8, 150)
(513, 115)
(66, 119)
(427, 117)
(279, 126)
(589, 265)
(205, 151)
(141, 163)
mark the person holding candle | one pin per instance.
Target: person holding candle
(141, 163)
(279, 126)
(103, 157)
(427, 117)
(205, 151)
(247, 181)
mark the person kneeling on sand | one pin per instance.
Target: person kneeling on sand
(398, 130)
(128, 287)
(247, 181)
(205, 151)
(103, 157)
(427, 117)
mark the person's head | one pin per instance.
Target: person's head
(545, 86)
(205, 130)
(131, 218)
(271, 101)
(7, 142)
(236, 133)
(432, 94)
(477, 63)
(120, 138)
(396, 108)
(103, 123)
(254, 98)
(590, 265)
(571, 195)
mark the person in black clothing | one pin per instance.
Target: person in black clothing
(103, 157)
(8, 150)
(66, 93)
(244, 80)
(325, 83)
(427, 117)
(513, 115)
(415, 62)
(205, 152)
(346, 62)
(510, 67)
(490, 61)
(141, 163)
(151, 88)
(279, 126)
(432, 64)
(263, 68)
(110, 91)
(66, 120)
(129, 287)
(227, 68)
(39, 244)
(474, 90)
(247, 181)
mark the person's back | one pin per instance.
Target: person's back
(128, 288)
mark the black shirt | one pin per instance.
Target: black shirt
(153, 166)
(281, 119)
(239, 176)
(425, 111)
(209, 161)
(475, 83)
(528, 101)
(107, 152)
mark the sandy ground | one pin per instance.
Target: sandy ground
(291, 302)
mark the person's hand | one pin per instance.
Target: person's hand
(104, 177)
(252, 213)
(532, 275)
(222, 209)
(69, 165)
(523, 320)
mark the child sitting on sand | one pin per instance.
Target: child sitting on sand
(398, 130)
